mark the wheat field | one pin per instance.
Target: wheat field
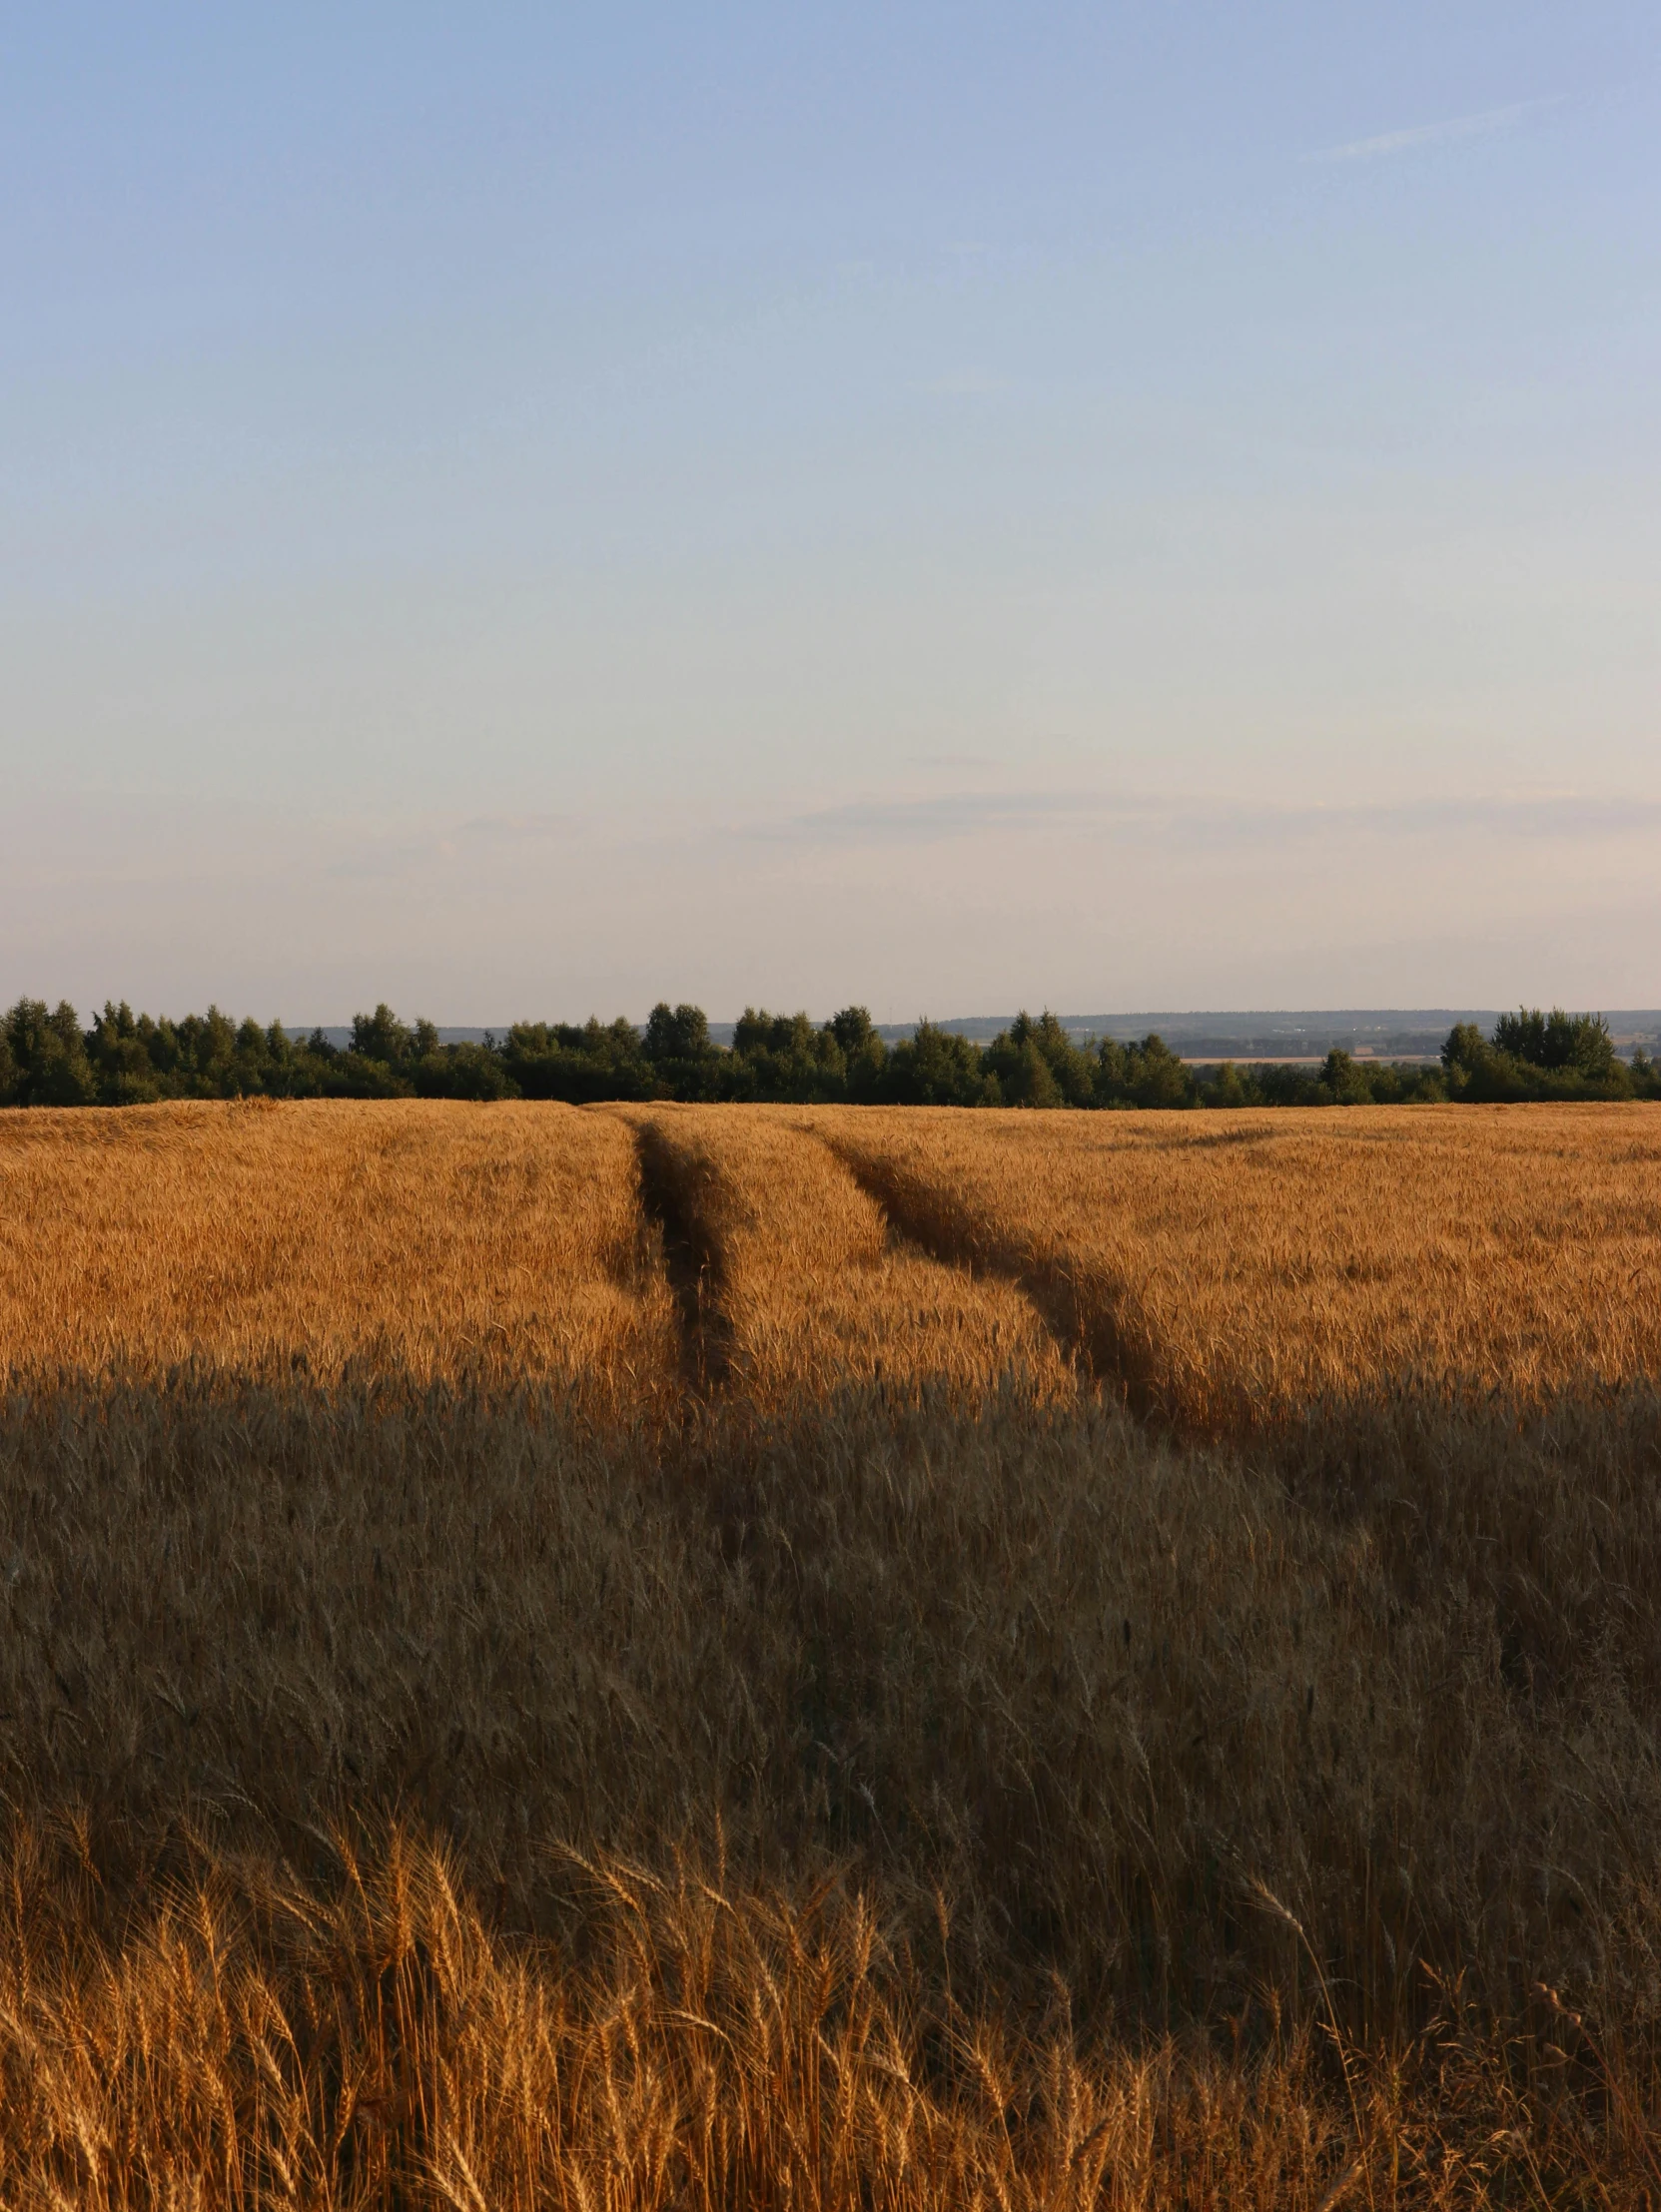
(807, 1289)
(646, 1656)
(1241, 1267)
(418, 1239)
(1224, 1271)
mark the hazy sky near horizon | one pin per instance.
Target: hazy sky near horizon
(524, 511)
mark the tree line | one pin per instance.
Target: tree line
(47, 1058)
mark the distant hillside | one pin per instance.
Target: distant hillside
(1384, 1033)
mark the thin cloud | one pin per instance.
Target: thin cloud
(1149, 818)
(947, 814)
(513, 829)
(1418, 135)
(363, 850)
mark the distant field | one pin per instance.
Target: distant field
(644, 1656)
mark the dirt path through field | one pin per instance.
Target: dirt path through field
(791, 1278)
(692, 1259)
(1093, 1316)
(1231, 1271)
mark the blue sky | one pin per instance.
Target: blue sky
(519, 512)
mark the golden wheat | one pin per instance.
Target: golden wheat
(806, 1286)
(1239, 1266)
(431, 1239)
(886, 1773)
(256, 2042)
(1236, 1266)
(1090, 1682)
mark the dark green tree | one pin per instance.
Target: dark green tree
(1465, 1050)
(1580, 1042)
(1536, 1056)
(579, 1063)
(1149, 1074)
(463, 1070)
(864, 1054)
(1344, 1081)
(936, 1067)
(782, 1055)
(676, 1032)
(49, 1056)
(684, 1060)
(120, 1058)
(1229, 1088)
(1038, 1064)
(381, 1036)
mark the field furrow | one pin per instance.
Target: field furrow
(1243, 1268)
(800, 1284)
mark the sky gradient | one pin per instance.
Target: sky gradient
(522, 511)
